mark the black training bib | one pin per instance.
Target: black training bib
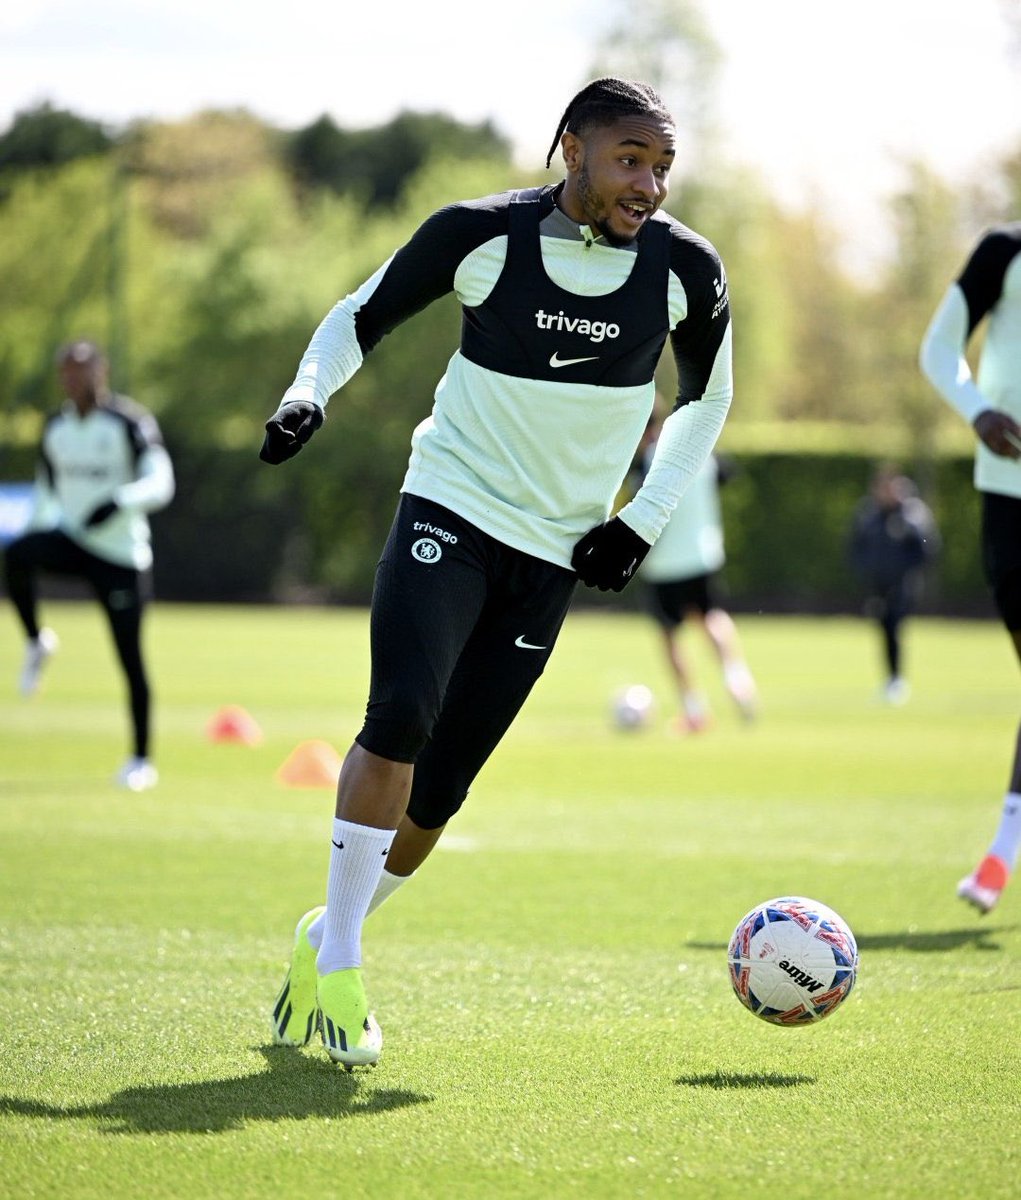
(531, 328)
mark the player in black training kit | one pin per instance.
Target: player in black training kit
(569, 294)
(990, 286)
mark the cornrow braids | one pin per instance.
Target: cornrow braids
(602, 101)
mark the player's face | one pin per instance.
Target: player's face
(618, 175)
(82, 382)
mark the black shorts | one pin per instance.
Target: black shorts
(119, 589)
(668, 602)
(462, 626)
(1001, 554)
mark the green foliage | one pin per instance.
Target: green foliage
(45, 136)
(188, 249)
(928, 256)
(375, 164)
(188, 171)
(54, 248)
(239, 321)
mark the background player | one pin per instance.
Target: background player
(681, 575)
(893, 536)
(990, 286)
(102, 467)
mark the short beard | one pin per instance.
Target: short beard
(589, 202)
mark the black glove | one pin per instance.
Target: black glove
(607, 556)
(288, 429)
(102, 512)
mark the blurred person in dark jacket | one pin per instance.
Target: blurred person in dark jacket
(893, 537)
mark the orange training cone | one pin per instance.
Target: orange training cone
(310, 764)
(233, 724)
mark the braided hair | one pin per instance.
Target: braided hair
(602, 102)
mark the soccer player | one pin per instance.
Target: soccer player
(102, 468)
(569, 293)
(681, 575)
(990, 286)
(893, 535)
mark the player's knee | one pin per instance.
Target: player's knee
(432, 809)
(443, 777)
(399, 727)
(719, 623)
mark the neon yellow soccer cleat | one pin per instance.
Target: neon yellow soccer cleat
(350, 1032)
(294, 1014)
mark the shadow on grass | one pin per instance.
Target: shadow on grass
(294, 1087)
(929, 942)
(935, 940)
(723, 1080)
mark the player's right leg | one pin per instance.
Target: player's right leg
(430, 588)
(667, 602)
(737, 677)
(121, 594)
(891, 621)
(1001, 555)
(695, 714)
(501, 663)
(25, 558)
(294, 1014)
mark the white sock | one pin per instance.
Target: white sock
(356, 864)
(1007, 842)
(739, 679)
(388, 884)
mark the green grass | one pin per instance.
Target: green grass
(552, 984)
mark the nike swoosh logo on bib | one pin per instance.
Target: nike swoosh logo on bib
(569, 362)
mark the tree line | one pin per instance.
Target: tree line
(203, 252)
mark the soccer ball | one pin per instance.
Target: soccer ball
(633, 707)
(792, 960)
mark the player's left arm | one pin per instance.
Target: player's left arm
(153, 485)
(417, 274)
(942, 359)
(701, 343)
(942, 356)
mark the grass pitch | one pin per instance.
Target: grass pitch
(552, 984)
